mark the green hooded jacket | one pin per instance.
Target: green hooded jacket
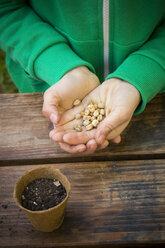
(114, 38)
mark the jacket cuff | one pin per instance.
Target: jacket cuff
(55, 61)
(145, 74)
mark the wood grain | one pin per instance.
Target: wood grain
(117, 203)
(24, 134)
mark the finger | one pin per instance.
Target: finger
(91, 146)
(50, 107)
(103, 146)
(110, 123)
(73, 149)
(116, 140)
(51, 133)
(57, 137)
(72, 137)
(115, 133)
(75, 138)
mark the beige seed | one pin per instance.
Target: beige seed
(99, 118)
(95, 106)
(90, 105)
(93, 118)
(89, 127)
(91, 108)
(78, 116)
(76, 102)
(78, 128)
(86, 112)
(86, 117)
(86, 122)
(95, 123)
(96, 113)
(102, 112)
(101, 105)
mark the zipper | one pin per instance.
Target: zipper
(106, 36)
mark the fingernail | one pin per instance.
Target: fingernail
(101, 139)
(54, 118)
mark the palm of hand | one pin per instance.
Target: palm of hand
(120, 99)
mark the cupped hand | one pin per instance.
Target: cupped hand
(77, 83)
(120, 99)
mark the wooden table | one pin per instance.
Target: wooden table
(118, 195)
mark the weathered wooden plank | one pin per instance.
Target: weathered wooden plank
(117, 203)
(24, 134)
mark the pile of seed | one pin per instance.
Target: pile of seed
(91, 116)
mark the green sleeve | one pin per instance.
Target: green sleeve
(145, 68)
(40, 50)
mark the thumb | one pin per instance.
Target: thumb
(112, 121)
(50, 107)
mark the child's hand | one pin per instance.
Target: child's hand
(120, 99)
(77, 83)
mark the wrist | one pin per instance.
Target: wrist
(127, 89)
(135, 92)
(78, 71)
(83, 75)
